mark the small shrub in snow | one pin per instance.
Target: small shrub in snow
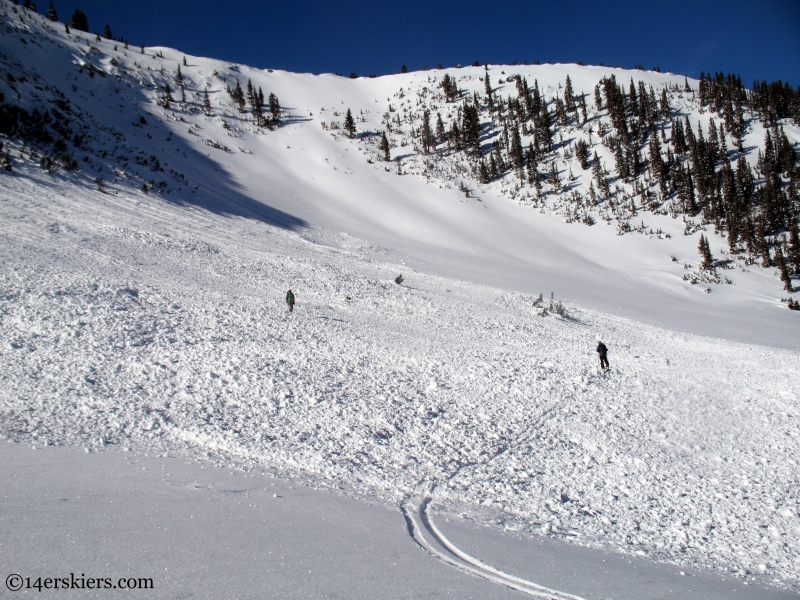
(399, 279)
(553, 307)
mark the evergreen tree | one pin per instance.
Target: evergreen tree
(166, 99)
(257, 103)
(498, 160)
(427, 135)
(383, 146)
(543, 135)
(206, 102)
(7, 162)
(530, 161)
(107, 32)
(561, 113)
(634, 103)
(483, 172)
(238, 96)
(470, 129)
(712, 144)
(569, 99)
(555, 179)
(615, 100)
(761, 243)
(537, 182)
(665, 113)
(440, 131)
(350, 125)
(275, 109)
(582, 153)
(686, 193)
(79, 21)
(599, 176)
(786, 156)
(455, 139)
(657, 168)
(450, 88)
(691, 140)
(494, 172)
(678, 137)
(584, 115)
(794, 247)
(251, 99)
(784, 271)
(647, 108)
(620, 161)
(707, 262)
(723, 147)
(51, 12)
(517, 157)
(731, 203)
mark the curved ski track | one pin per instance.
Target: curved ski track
(445, 550)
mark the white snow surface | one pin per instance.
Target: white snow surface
(156, 321)
(204, 532)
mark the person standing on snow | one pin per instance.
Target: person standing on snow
(602, 351)
(290, 300)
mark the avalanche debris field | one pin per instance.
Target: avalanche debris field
(169, 334)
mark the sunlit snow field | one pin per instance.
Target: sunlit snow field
(155, 323)
(157, 328)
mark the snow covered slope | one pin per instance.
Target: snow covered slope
(155, 319)
(147, 325)
(308, 174)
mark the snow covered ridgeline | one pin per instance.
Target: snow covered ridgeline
(142, 336)
(522, 146)
(665, 146)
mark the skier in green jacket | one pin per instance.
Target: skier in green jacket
(290, 300)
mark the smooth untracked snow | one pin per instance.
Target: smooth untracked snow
(155, 321)
(215, 533)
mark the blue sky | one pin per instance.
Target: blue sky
(754, 38)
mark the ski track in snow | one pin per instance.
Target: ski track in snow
(469, 564)
(146, 321)
(163, 329)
